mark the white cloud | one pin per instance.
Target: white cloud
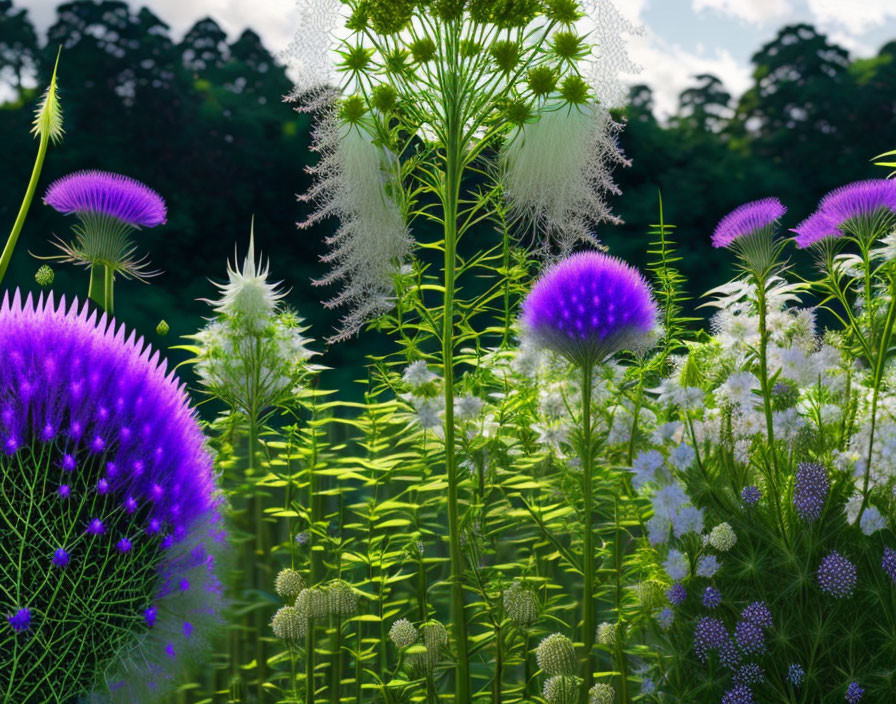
(668, 69)
(855, 16)
(753, 11)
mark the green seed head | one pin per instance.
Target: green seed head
(517, 112)
(423, 50)
(356, 59)
(563, 11)
(568, 46)
(289, 624)
(506, 55)
(343, 600)
(384, 97)
(353, 109)
(562, 689)
(403, 633)
(556, 655)
(448, 10)
(601, 693)
(289, 583)
(44, 276)
(390, 16)
(469, 48)
(574, 90)
(606, 633)
(360, 17)
(542, 80)
(521, 605)
(162, 328)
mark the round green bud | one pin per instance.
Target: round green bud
(470, 48)
(556, 655)
(651, 595)
(606, 633)
(562, 689)
(435, 638)
(384, 97)
(360, 17)
(343, 600)
(542, 80)
(575, 90)
(521, 605)
(568, 46)
(403, 633)
(44, 276)
(353, 108)
(448, 10)
(563, 11)
(356, 59)
(423, 49)
(162, 328)
(723, 537)
(506, 55)
(289, 624)
(288, 583)
(390, 16)
(397, 62)
(517, 112)
(601, 693)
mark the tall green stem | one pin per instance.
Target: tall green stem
(97, 290)
(588, 519)
(108, 300)
(26, 204)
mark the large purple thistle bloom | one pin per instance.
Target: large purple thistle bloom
(854, 202)
(84, 406)
(746, 220)
(817, 227)
(107, 194)
(589, 306)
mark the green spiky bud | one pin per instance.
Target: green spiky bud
(289, 624)
(562, 689)
(162, 328)
(517, 112)
(723, 537)
(48, 116)
(384, 97)
(288, 583)
(356, 59)
(448, 10)
(360, 17)
(506, 55)
(353, 109)
(397, 62)
(342, 598)
(601, 693)
(606, 633)
(562, 11)
(435, 638)
(568, 46)
(470, 48)
(575, 90)
(403, 633)
(314, 602)
(556, 655)
(423, 49)
(44, 276)
(521, 605)
(390, 16)
(542, 80)
(651, 595)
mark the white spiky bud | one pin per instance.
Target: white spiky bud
(601, 693)
(606, 633)
(343, 600)
(723, 537)
(556, 655)
(403, 633)
(562, 689)
(289, 583)
(521, 605)
(289, 624)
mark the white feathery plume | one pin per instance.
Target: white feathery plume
(372, 239)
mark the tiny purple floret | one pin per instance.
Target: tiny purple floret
(837, 576)
(747, 219)
(854, 693)
(107, 194)
(20, 620)
(60, 558)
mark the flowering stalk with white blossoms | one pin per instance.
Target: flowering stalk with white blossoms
(429, 92)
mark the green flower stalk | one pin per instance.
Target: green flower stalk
(427, 92)
(48, 128)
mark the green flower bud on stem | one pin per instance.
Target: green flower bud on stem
(44, 276)
(556, 655)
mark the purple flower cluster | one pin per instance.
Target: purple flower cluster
(795, 674)
(863, 208)
(758, 613)
(854, 693)
(589, 306)
(677, 594)
(750, 637)
(750, 495)
(107, 194)
(810, 490)
(97, 414)
(749, 674)
(888, 563)
(738, 694)
(712, 597)
(746, 220)
(837, 576)
(711, 635)
(20, 621)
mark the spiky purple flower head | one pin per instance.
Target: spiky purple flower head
(795, 674)
(854, 693)
(749, 637)
(738, 694)
(20, 621)
(818, 227)
(749, 674)
(750, 495)
(862, 207)
(712, 597)
(810, 490)
(837, 576)
(107, 194)
(758, 613)
(677, 594)
(589, 306)
(71, 384)
(710, 635)
(888, 563)
(746, 220)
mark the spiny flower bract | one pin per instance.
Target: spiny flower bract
(94, 416)
(853, 207)
(589, 306)
(402, 633)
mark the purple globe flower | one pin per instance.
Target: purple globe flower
(738, 694)
(854, 693)
(73, 384)
(810, 490)
(758, 613)
(711, 635)
(750, 495)
(749, 674)
(749, 637)
(677, 594)
(818, 227)
(712, 597)
(20, 621)
(837, 576)
(795, 674)
(589, 306)
(746, 220)
(861, 208)
(107, 194)
(888, 563)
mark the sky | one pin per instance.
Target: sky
(680, 38)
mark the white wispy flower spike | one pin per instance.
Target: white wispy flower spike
(558, 172)
(372, 239)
